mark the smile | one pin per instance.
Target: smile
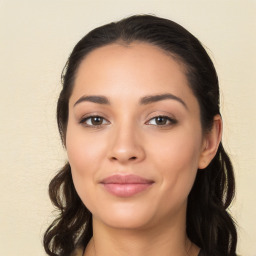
(126, 185)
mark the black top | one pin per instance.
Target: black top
(201, 253)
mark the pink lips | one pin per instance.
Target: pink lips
(126, 185)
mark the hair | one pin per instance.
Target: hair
(209, 225)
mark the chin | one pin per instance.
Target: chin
(124, 218)
(126, 223)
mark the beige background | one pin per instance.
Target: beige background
(36, 38)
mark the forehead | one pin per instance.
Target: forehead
(135, 70)
(136, 53)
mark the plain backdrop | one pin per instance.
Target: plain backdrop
(36, 38)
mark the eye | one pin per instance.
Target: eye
(94, 121)
(162, 121)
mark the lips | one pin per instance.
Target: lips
(126, 185)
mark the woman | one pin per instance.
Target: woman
(147, 173)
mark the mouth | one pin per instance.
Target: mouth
(126, 185)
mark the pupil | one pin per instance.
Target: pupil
(96, 120)
(161, 120)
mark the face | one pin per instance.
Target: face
(134, 137)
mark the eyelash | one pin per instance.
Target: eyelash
(171, 121)
(85, 119)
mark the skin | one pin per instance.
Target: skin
(130, 141)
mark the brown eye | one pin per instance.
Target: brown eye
(161, 120)
(94, 121)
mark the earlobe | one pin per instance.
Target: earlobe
(211, 143)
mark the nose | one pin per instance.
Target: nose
(126, 145)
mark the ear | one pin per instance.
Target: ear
(211, 143)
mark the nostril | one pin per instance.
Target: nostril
(113, 158)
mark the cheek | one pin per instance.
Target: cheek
(177, 161)
(84, 155)
(84, 150)
(179, 148)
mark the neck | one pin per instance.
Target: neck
(165, 241)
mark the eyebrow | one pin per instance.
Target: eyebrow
(143, 101)
(154, 98)
(94, 99)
